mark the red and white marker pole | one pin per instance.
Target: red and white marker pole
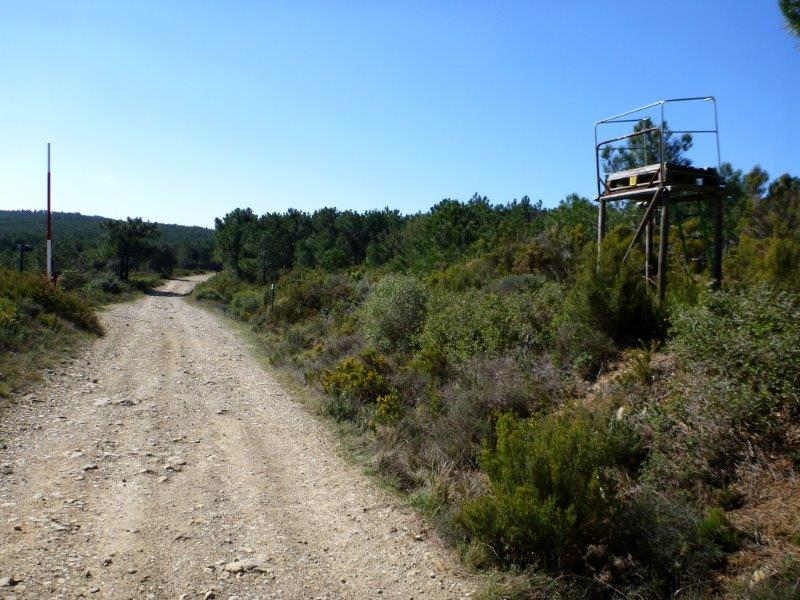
(49, 223)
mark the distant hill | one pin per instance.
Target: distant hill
(78, 238)
(29, 226)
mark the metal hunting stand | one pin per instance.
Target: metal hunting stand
(657, 186)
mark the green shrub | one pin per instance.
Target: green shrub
(34, 318)
(512, 284)
(551, 490)
(736, 386)
(582, 347)
(461, 325)
(446, 423)
(219, 288)
(639, 366)
(144, 281)
(388, 409)
(614, 299)
(310, 293)
(71, 280)
(672, 544)
(355, 382)
(246, 303)
(773, 260)
(716, 530)
(462, 276)
(394, 312)
(33, 294)
(749, 336)
(108, 283)
(8, 311)
(546, 254)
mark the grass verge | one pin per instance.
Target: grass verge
(39, 325)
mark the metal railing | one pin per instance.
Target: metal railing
(662, 129)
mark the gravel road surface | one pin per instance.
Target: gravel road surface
(165, 462)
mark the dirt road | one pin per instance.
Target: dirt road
(164, 462)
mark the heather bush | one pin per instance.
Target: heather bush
(481, 323)
(108, 283)
(220, 288)
(35, 316)
(71, 280)
(245, 303)
(354, 383)
(144, 281)
(671, 545)
(736, 387)
(394, 312)
(562, 498)
(449, 420)
(773, 260)
(606, 309)
(552, 492)
(35, 292)
(388, 409)
(462, 276)
(311, 292)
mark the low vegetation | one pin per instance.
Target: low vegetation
(38, 321)
(561, 426)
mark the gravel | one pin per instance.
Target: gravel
(258, 502)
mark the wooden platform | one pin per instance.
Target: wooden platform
(682, 181)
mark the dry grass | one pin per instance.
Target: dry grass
(771, 519)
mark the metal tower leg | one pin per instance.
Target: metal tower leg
(648, 251)
(716, 265)
(663, 247)
(601, 228)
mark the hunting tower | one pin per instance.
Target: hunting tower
(658, 183)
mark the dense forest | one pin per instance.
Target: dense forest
(555, 419)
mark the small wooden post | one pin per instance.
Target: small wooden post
(663, 246)
(716, 265)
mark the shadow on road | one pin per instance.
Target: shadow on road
(166, 294)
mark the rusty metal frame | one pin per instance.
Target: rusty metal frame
(662, 193)
(662, 128)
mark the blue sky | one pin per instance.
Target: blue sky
(180, 112)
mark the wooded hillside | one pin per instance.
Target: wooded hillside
(79, 241)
